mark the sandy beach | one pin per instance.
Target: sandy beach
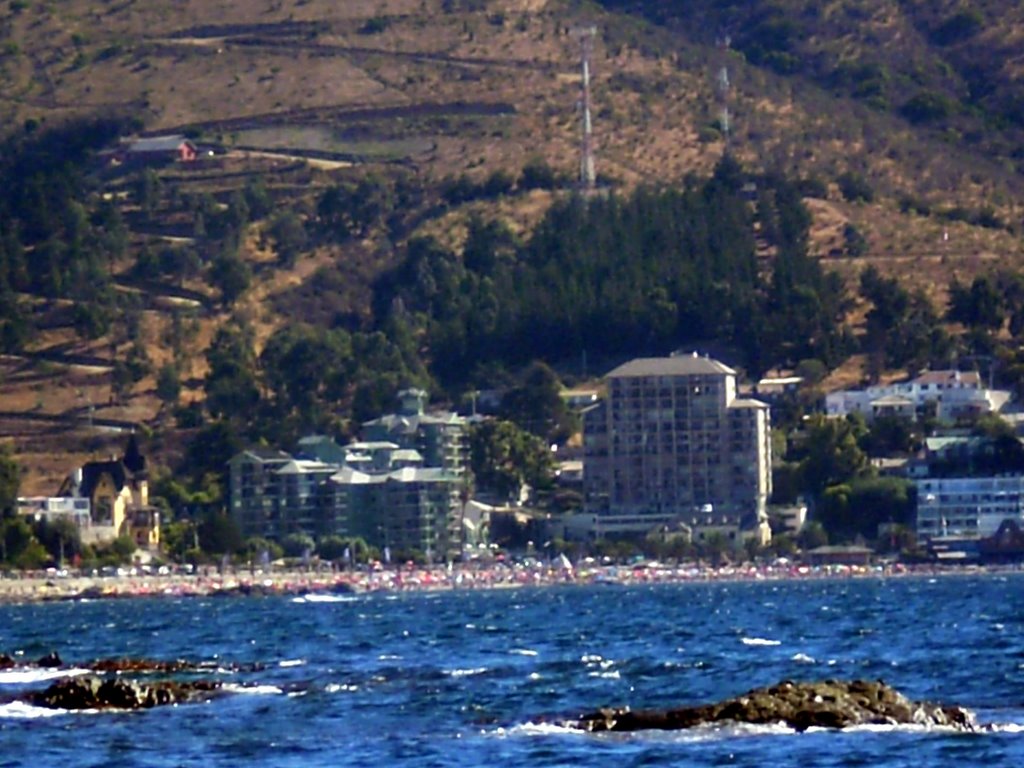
(36, 587)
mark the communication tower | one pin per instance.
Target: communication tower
(722, 86)
(588, 177)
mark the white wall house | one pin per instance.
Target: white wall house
(954, 393)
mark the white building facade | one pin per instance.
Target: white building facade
(972, 507)
(954, 393)
(673, 445)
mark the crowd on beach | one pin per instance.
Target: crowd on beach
(207, 582)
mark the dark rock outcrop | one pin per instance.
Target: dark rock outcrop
(828, 704)
(51, 660)
(6, 661)
(141, 665)
(90, 692)
(138, 665)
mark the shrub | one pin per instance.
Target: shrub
(855, 187)
(374, 25)
(927, 107)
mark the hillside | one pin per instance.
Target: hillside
(901, 118)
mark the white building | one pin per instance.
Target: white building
(671, 444)
(954, 393)
(968, 506)
(77, 510)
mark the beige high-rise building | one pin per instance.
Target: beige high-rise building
(672, 445)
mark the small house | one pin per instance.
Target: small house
(154, 150)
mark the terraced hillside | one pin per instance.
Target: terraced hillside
(298, 97)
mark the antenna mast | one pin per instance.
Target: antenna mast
(588, 177)
(722, 86)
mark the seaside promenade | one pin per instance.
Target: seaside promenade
(25, 588)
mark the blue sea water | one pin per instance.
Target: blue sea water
(460, 678)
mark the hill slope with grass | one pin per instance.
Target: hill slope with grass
(333, 135)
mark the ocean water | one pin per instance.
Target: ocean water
(485, 678)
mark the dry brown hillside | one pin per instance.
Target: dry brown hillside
(308, 92)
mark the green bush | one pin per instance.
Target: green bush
(927, 107)
(855, 187)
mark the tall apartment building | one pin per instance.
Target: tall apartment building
(439, 436)
(672, 444)
(401, 487)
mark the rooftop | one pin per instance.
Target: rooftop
(157, 143)
(678, 365)
(949, 377)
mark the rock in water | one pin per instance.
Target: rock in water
(828, 704)
(116, 693)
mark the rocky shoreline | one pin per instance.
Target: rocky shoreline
(798, 705)
(124, 683)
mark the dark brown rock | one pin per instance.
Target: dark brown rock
(51, 660)
(6, 661)
(827, 704)
(90, 692)
(141, 665)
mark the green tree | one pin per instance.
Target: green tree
(980, 306)
(256, 546)
(18, 544)
(307, 370)
(61, 539)
(537, 174)
(168, 384)
(537, 405)
(812, 535)
(230, 274)
(232, 384)
(219, 534)
(10, 481)
(333, 547)
(148, 191)
(289, 235)
(503, 457)
(856, 509)
(297, 544)
(832, 453)
(177, 537)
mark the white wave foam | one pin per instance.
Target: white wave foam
(699, 734)
(321, 598)
(340, 688)
(724, 731)
(591, 658)
(34, 675)
(759, 641)
(19, 710)
(613, 675)
(1006, 727)
(894, 728)
(534, 729)
(802, 658)
(523, 652)
(389, 657)
(291, 663)
(254, 690)
(465, 672)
